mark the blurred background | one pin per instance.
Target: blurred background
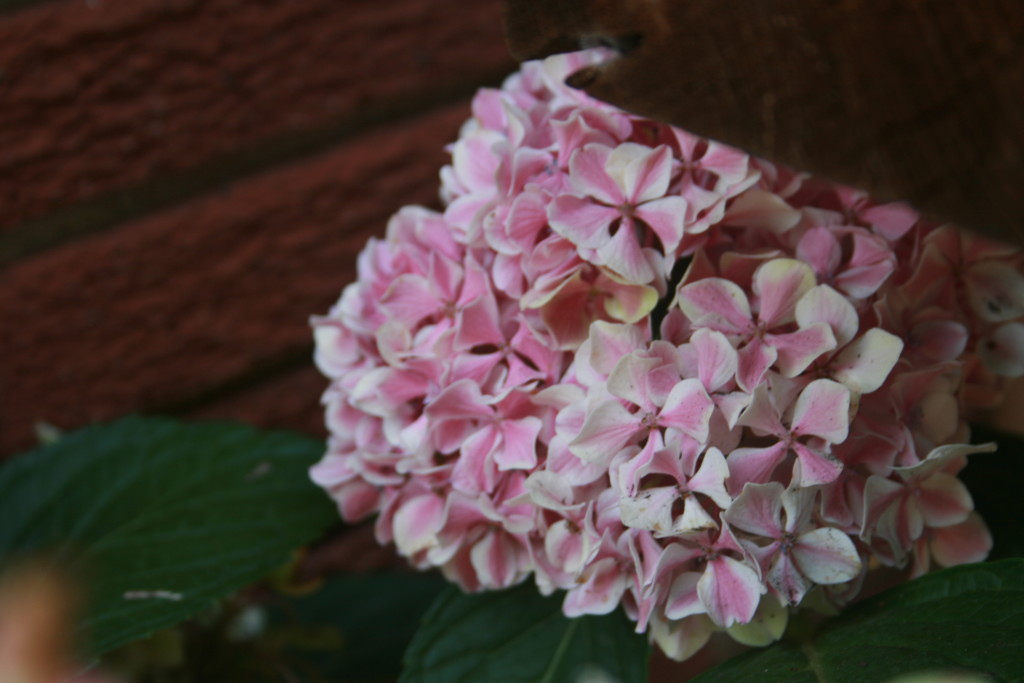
(184, 182)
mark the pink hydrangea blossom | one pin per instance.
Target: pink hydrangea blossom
(653, 372)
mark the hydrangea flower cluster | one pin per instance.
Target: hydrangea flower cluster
(651, 371)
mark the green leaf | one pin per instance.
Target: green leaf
(518, 635)
(969, 617)
(371, 618)
(161, 518)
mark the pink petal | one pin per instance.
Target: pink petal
(489, 108)
(892, 221)
(477, 368)
(332, 470)
(730, 591)
(602, 588)
(417, 522)
(446, 275)
(526, 217)
(816, 467)
(871, 264)
(709, 480)
(944, 500)
(519, 444)
(644, 173)
(526, 164)
(588, 175)
(716, 303)
(823, 410)
(337, 347)
(1003, 351)
(682, 600)
(566, 311)
(666, 217)
(459, 400)
(787, 580)
(819, 247)
(731, 165)
(798, 506)
(475, 283)
(937, 415)
(761, 413)
(969, 541)
(607, 429)
(688, 409)
(648, 556)
(581, 221)
(475, 471)
(357, 499)
(754, 464)
(575, 132)
(865, 364)
(797, 350)
(629, 380)
(731, 405)
(753, 361)
(757, 510)
(827, 556)
(478, 325)
(497, 558)
(474, 162)
(464, 513)
(995, 290)
(637, 467)
(826, 305)
(409, 299)
(565, 547)
(716, 358)
(609, 342)
(879, 495)
(575, 471)
(939, 340)
(780, 284)
(624, 255)
(760, 210)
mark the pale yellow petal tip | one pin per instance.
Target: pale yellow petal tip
(593, 674)
(767, 626)
(941, 677)
(615, 307)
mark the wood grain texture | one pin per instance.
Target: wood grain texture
(162, 312)
(910, 99)
(97, 96)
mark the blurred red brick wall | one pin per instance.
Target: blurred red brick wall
(183, 182)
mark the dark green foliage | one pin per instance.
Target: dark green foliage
(965, 618)
(161, 518)
(518, 636)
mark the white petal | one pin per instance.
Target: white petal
(827, 556)
(864, 365)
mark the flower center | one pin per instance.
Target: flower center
(649, 421)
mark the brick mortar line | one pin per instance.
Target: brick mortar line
(120, 206)
(269, 371)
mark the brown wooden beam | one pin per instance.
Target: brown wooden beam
(920, 100)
